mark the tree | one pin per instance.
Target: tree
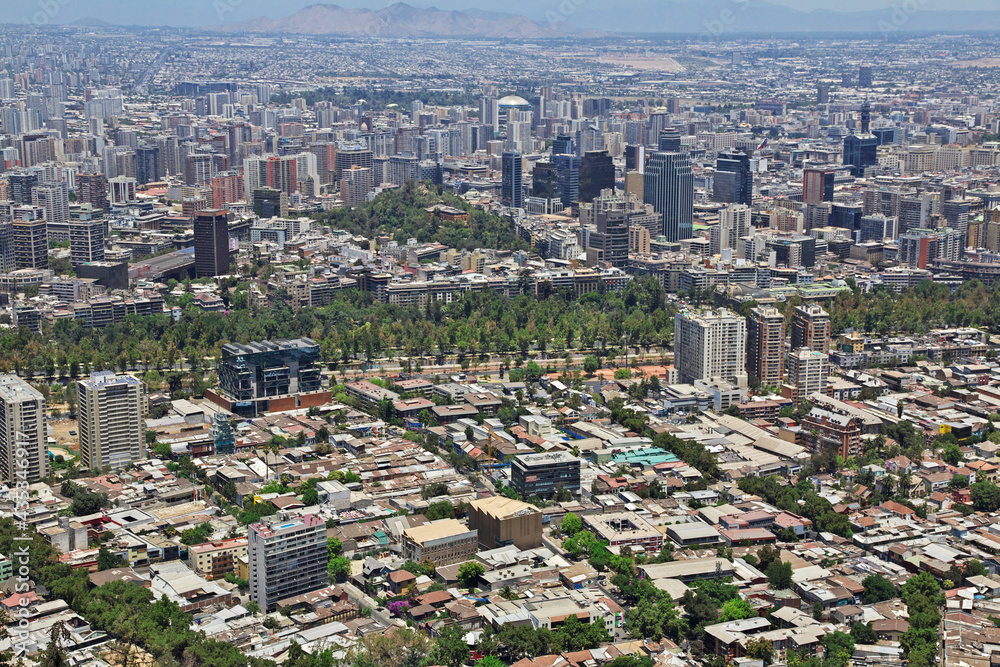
(951, 453)
(737, 609)
(54, 655)
(252, 607)
(108, 561)
(863, 633)
(469, 573)
(766, 556)
(779, 575)
(339, 568)
(973, 568)
(442, 509)
(450, 648)
(590, 364)
(838, 648)
(985, 496)
(877, 589)
(759, 648)
(571, 524)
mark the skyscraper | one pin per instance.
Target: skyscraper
(92, 189)
(563, 144)
(511, 189)
(811, 329)
(287, 557)
(817, 185)
(147, 164)
(110, 420)
(668, 185)
(86, 234)
(866, 116)
(597, 172)
(22, 427)
(711, 345)
(808, 372)
(860, 151)
(734, 224)
(54, 197)
(766, 346)
(669, 140)
(568, 178)
(270, 203)
(865, 76)
(20, 184)
(733, 178)
(211, 243)
(31, 243)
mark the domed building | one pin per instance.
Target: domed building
(513, 102)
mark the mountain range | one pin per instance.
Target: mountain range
(401, 21)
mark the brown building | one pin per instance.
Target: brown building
(811, 329)
(211, 243)
(501, 521)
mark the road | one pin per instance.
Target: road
(365, 600)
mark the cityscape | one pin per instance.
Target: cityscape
(634, 334)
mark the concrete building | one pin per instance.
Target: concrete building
(22, 426)
(111, 410)
(766, 349)
(811, 329)
(211, 243)
(288, 556)
(442, 542)
(501, 521)
(808, 372)
(217, 559)
(711, 345)
(542, 474)
(269, 376)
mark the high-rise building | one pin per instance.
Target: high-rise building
(122, 190)
(511, 189)
(766, 347)
(611, 237)
(20, 185)
(227, 188)
(287, 557)
(808, 372)
(876, 227)
(54, 197)
(92, 189)
(846, 216)
(23, 450)
(668, 185)
(669, 140)
(355, 186)
(866, 116)
(597, 173)
(31, 242)
(86, 234)
(211, 243)
(733, 178)
(111, 411)
(711, 345)
(817, 185)
(860, 152)
(252, 376)
(734, 224)
(351, 156)
(543, 474)
(865, 76)
(567, 178)
(563, 145)
(223, 436)
(147, 164)
(270, 203)
(811, 329)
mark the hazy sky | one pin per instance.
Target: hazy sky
(586, 13)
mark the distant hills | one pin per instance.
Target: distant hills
(400, 21)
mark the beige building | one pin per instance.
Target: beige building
(111, 410)
(442, 542)
(217, 559)
(22, 426)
